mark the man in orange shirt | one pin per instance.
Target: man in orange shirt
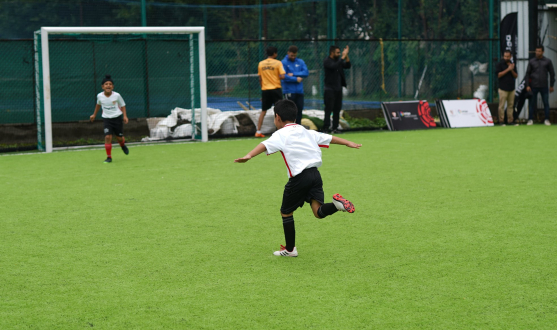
(270, 72)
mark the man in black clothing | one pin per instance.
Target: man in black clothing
(334, 65)
(507, 75)
(536, 82)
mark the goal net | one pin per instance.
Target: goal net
(155, 70)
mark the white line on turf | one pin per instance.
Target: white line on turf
(132, 144)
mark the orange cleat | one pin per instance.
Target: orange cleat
(343, 204)
(259, 135)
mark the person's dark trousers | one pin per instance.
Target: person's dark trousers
(544, 91)
(299, 100)
(333, 104)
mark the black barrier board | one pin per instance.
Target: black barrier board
(409, 115)
(442, 115)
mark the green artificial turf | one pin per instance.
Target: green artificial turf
(453, 229)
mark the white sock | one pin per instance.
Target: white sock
(258, 132)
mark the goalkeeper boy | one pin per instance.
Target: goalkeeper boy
(114, 116)
(300, 149)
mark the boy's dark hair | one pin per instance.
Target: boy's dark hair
(293, 49)
(271, 51)
(107, 78)
(286, 110)
(540, 46)
(333, 48)
(507, 51)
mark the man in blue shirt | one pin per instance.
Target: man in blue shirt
(292, 86)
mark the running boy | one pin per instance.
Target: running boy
(300, 149)
(114, 116)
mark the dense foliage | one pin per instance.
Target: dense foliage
(240, 19)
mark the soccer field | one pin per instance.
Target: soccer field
(453, 229)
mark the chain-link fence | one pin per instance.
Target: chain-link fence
(442, 67)
(154, 75)
(442, 53)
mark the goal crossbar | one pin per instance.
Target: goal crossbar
(120, 30)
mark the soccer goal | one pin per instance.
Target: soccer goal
(155, 69)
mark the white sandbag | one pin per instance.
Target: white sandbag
(268, 125)
(168, 122)
(185, 114)
(343, 124)
(481, 92)
(153, 121)
(182, 131)
(230, 126)
(159, 133)
(308, 123)
(215, 122)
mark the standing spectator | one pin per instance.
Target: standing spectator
(507, 76)
(334, 65)
(536, 82)
(270, 73)
(292, 86)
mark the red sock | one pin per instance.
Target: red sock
(122, 142)
(108, 148)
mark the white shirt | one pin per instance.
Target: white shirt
(299, 147)
(111, 105)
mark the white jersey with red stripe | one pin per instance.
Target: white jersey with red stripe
(110, 104)
(299, 147)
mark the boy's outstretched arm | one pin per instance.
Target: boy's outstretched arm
(350, 144)
(256, 151)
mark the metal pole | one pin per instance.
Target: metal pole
(38, 104)
(146, 79)
(143, 13)
(329, 20)
(329, 34)
(334, 19)
(498, 34)
(205, 19)
(400, 48)
(490, 98)
(203, 86)
(260, 31)
(532, 27)
(46, 91)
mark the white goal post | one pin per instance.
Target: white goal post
(120, 30)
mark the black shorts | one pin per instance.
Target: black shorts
(114, 126)
(270, 97)
(302, 189)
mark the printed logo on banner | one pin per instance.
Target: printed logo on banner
(406, 114)
(462, 112)
(424, 112)
(483, 112)
(394, 114)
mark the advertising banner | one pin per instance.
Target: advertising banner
(509, 41)
(509, 35)
(402, 116)
(464, 113)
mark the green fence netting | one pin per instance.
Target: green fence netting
(444, 52)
